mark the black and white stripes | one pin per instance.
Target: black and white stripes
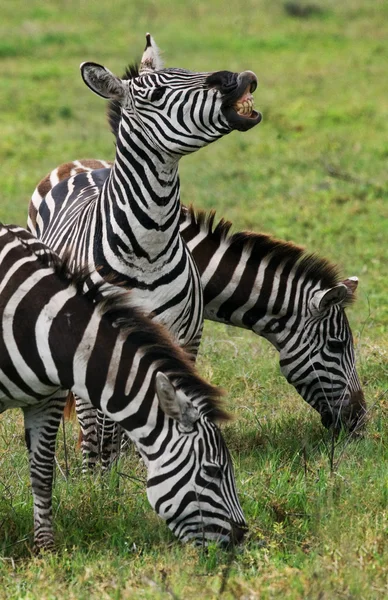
(263, 284)
(294, 299)
(56, 337)
(124, 222)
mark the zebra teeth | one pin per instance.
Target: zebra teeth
(244, 106)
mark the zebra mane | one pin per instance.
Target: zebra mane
(259, 245)
(113, 110)
(114, 303)
(44, 254)
(159, 347)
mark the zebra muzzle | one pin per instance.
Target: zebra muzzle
(239, 109)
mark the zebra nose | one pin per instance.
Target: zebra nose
(247, 78)
(356, 411)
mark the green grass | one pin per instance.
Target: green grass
(314, 171)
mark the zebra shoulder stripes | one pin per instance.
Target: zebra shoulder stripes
(55, 337)
(267, 285)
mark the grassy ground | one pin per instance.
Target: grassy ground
(315, 172)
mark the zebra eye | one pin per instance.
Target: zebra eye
(213, 471)
(186, 428)
(336, 345)
(158, 94)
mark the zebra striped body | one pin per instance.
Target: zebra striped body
(56, 337)
(125, 226)
(273, 288)
(293, 299)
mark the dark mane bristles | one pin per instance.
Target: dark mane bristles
(260, 245)
(159, 347)
(113, 110)
(33, 246)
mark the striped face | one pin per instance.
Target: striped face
(191, 482)
(317, 358)
(179, 111)
(184, 111)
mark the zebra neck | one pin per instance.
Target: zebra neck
(250, 297)
(247, 282)
(138, 206)
(119, 381)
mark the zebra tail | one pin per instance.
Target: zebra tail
(69, 411)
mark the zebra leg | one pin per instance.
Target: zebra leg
(41, 422)
(109, 436)
(87, 417)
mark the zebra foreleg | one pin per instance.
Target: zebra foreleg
(41, 422)
(100, 437)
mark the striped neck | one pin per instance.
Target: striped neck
(141, 197)
(249, 279)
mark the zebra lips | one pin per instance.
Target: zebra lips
(240, 109)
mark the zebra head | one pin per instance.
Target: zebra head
(191, 482)
(317, 356)
(178, 111)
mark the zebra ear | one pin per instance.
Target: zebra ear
(150, 61)
(323, 299)
(352, 284)
(179, 409)
(101, 81)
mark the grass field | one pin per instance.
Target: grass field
(315, 172)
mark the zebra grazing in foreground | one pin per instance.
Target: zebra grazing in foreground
(55, 337)
(125, 227)
(293, 299)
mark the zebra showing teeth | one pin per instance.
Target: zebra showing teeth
(124, 223)
(244, 105)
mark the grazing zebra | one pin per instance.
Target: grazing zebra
(55, 337)
(125, 226)
(293, 299)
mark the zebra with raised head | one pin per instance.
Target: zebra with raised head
(275, 289)
(125, 226)
(55, 337)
